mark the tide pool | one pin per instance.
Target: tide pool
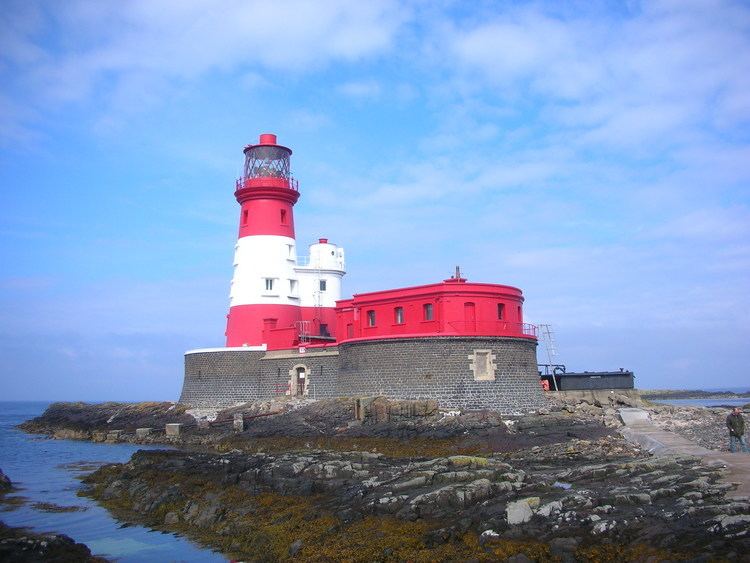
(46, 471)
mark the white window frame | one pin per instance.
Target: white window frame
(483, 365)
(270, 286)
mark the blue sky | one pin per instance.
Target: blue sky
(597, 155)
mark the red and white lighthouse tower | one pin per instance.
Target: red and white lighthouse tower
(275, 302)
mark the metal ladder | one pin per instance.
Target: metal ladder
(548, 338)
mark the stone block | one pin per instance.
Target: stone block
(634, 417)
(142, 432)
(239, 422)
(173, 429)
(520, 511)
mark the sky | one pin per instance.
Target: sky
(594, 154)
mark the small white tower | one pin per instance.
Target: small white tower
(320, 286)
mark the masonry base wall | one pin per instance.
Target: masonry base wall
(439, 368)
(407, 368)
(226, 378)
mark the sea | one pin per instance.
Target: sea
(738, 402)
(703, 402)
(48, 471)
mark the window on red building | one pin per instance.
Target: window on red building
(283, 216)
(519, 315)
(370, 318)
(500, 311)
(244, 217)
(398, 315)
(427, 311)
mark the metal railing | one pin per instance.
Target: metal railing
(551, 369)
(492, 328)
(291, 182)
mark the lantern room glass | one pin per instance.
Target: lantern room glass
(264, 161)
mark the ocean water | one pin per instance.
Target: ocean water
(703, 402)
(45, 470)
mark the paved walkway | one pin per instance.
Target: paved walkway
(640, 430)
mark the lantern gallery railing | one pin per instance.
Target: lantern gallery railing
(276, 181)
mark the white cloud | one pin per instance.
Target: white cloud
(706, 224)
(132, 55)
(661, 69)
(304, 120)
(361, 89)
(17, 123)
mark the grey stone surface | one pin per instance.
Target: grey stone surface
(142, 432)
(435, 368)
(634, 416)
(226, 378)
(439, 368)
(172, 429)
(520, 511)
(662, 443)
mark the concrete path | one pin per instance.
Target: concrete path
(640, 430)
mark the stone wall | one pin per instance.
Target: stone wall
(407, 368)
(225, 378)
(440, 368)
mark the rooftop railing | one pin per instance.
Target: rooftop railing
(493, 328)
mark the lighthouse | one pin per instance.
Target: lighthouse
(276, 300)
(289, 332)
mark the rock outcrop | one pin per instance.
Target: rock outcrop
(466, 506)
(18, 545)
(5, 483)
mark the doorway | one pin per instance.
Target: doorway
(299, 380)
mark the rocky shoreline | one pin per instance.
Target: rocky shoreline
(380, 480)
(320, 505)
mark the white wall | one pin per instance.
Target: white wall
(259, 257)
